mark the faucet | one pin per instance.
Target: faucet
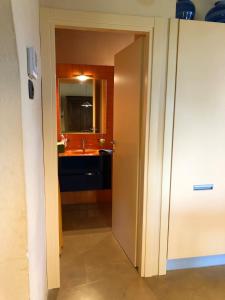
(64, 140)
(83, 144)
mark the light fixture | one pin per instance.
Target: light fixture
(82, 77)
(86, 104)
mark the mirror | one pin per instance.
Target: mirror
(83, 105)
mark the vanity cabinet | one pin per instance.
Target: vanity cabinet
(82, 173)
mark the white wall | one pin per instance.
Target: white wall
(89, 47)
(26, 20)
(164, 8)
(13, 225)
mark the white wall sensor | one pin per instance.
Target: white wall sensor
(32, 69)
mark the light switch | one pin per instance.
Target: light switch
(32, 63)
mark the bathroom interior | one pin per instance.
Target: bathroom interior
(85, 105)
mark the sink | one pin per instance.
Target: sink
(86, 152)
(81, 152)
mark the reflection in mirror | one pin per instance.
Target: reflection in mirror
(83, 105)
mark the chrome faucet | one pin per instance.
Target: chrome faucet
(64, 140)
(83, 144)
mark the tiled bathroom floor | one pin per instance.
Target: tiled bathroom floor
(87, 216)
(93, 267)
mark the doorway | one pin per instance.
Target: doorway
(99, 82)
(152, 127)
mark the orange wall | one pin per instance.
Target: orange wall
(98, 72)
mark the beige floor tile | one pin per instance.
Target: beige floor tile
(195, 284)
(94, 267)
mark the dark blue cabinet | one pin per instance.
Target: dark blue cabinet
(82, 173)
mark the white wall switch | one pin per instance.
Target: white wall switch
(32, 69)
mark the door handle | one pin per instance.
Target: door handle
(203, 187)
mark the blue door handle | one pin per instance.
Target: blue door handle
(203, 187)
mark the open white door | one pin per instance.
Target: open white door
(127, 112)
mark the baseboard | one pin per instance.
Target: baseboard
(196, 262)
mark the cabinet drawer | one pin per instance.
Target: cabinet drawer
(88, 181)
(80, 165)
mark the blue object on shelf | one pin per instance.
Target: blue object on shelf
(185, 9)
(217, 13)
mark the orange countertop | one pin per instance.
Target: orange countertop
(80, 152)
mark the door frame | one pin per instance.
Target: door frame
(168, 143)
(152, 129)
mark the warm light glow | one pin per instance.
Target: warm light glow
(82, 77)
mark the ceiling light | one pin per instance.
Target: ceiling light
(82, 77)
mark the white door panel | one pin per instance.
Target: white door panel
(127, 104)
(197, 218)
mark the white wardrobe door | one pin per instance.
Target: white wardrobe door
(197, 218)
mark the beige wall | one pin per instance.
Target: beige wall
(164, 8)
(161, 8)
(13, 225)
(89, 47)
(26, 20)
(202, 7)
